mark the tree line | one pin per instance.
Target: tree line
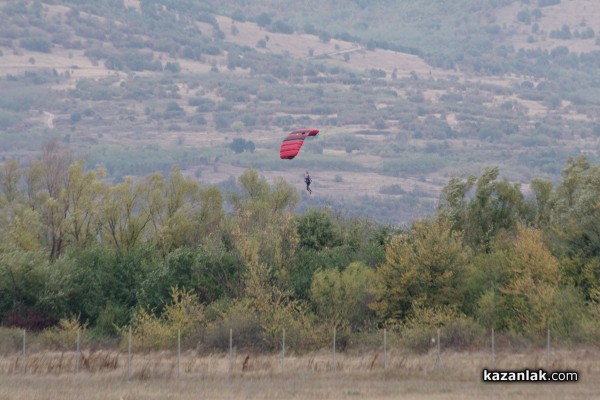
(163, 253)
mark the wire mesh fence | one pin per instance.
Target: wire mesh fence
(383, 354)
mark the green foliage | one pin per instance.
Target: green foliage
(64, 336)
(545, 3)
(11, 340)
(161, 254)
(316, 230)
(182, 315)
(112, 317)
(494, 207)
(36, 44)
(173, 67)
(457, 331)
(263, 213)
(239, 145)
(343, 298)
(426, 264)
(263, 20)
(8, 119)
(533, 282)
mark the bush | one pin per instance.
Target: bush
(282, 27)
(36, 44)
(263, 20)
(64, 336)
(111, 318)
(184, 314)
(392, 189)
(8, 119)
(198, 120)
(246, 331)
(173, 67)
(545, 3)
(11, 340)
(238, 15)
(457, 331)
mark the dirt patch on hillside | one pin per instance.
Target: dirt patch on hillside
(303, 46)
(61, 60)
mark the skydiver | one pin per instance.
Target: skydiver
(308, 181)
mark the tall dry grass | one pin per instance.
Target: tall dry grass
(104, 374)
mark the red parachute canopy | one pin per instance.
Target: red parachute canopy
(293, 142)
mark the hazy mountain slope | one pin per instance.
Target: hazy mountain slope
(139, 86)
(442, 32)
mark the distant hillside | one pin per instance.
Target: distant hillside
(406, 94)
(444, 33)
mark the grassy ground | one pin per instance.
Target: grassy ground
(104, 375)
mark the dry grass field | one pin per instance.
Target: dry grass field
(104, 375)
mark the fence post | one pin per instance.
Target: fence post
(493, 350)
(282, 349)
(78, 352)
(334, 368)
(230, 350)
(438, 358)
(24, 363)
(385, 350)
(548, 348)
(178, 349)
(129, 355)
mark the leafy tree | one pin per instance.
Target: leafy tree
(173, 67)
(182, 315)
(533, 282)
(26, 295)
(263, 20)
(540, 202)
(344, 298)
(36, 44)
(574, 222)
(494, 207)
(10, 174)
(185, 214)
(239, 145)
(425, 264)
(173, 110)
(282, 27)
(128, 208)
(53, 187)
(265, 231)
(316, 230)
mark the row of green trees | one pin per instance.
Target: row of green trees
(162, 253)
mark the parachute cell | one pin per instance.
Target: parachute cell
(293, 142)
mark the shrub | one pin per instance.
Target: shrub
(36, 44)
(173, 67)
(8, 119)
(263, 20)
(282, 27)
(457, 331)
(238, 15)
(245, 328)
(11, 340)
(64, 336)
(239, 145)
(183, 314)
(111, 318)
(545, 3)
